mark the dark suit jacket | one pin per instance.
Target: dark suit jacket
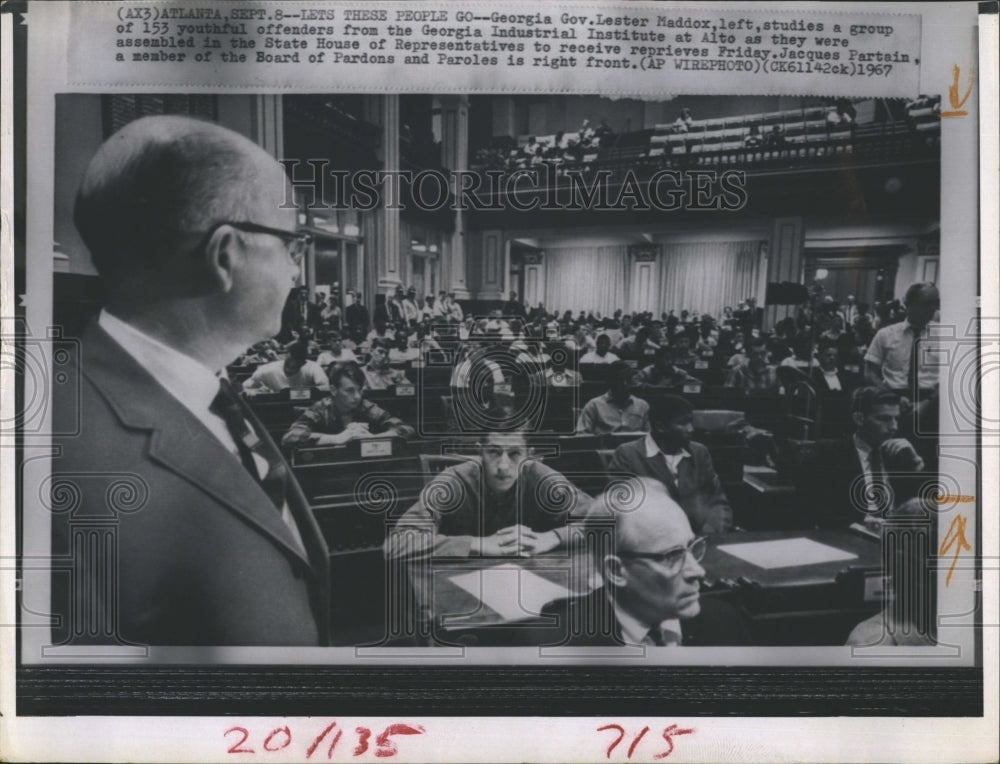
(848, 381)
(201, 555)
(697, 488)
(718, 623)
(830, 486)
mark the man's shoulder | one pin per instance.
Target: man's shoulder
(632, 447)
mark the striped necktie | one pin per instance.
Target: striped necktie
(226, 405)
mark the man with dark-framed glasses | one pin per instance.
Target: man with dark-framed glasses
(652, 573)
(188, 227)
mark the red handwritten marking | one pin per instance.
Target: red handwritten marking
(281, 737)
(631, 748)
(954, 537)
(235, 747)
(388, 748)
(275, 731)
(621, 731)
(319, 739)
(363, 734)
(668, 734)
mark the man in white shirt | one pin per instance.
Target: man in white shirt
(411, 313)
(296, 372)
(186, 225)
(602, 353)
(889, 357)
(905, 357)
(615, 411)
(337, 353)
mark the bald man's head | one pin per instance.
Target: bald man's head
(158, 183)
(651, 569)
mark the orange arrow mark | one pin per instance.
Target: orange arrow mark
(954, 101)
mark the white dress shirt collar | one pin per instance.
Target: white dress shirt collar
(186, 379)
(652, 449)
(635, 632)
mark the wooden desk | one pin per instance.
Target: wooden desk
(801, 605)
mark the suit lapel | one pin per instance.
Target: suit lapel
(658, 466)
(178, 440)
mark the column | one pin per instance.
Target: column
(381, 226)
(455, 157)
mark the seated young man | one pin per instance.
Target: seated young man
(337, 353)
(684, 466)
(849, 479)
(617, 410)
(495, 505)
(755, 375)
(379, 375)
(295, 372)
(403, 351)
(663, 374)
(601, 354)
(345, 415)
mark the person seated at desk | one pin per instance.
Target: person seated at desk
(558, 375)
(296, 372)
(491, 506)
(601, 353)
(617, 410)
(844, 480)
(403, 351)
(344, 416)
(337, 352)
(379, 375)
(827, 376)
(662, 373)
(755, 375)
(652, 582)
(683, 356)
(684, 466)
(381, 333)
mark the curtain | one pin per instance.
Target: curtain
(707, 276)
(586, 279)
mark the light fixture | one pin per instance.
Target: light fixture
(821, 273)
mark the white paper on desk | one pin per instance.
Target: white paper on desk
(786, 553)
(510, 590)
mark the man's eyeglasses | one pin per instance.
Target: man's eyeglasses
(673, 559)
(296, 242)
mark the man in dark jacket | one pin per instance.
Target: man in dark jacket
(652, 577)
(683, 466)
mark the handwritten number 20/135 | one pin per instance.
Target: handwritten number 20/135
(668, 735)
(281, 737)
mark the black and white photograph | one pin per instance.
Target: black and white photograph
(516, 398)
(664, 371)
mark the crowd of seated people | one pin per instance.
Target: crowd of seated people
(638, 378)
(580, 147)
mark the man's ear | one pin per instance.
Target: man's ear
(614, 570)
(221, 255)
(858, 417)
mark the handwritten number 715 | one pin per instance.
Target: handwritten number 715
(668, 734)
